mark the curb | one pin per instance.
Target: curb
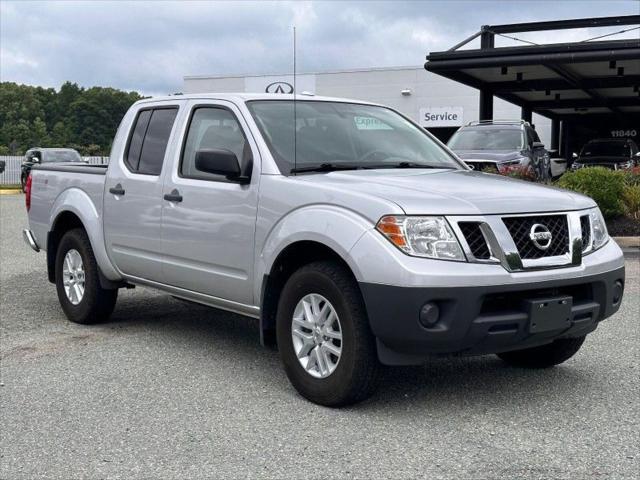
(628, 242)
(10, 191)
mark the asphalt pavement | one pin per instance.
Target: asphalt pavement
(171, 390)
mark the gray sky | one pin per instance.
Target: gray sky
(149, 46)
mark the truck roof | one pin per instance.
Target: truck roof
(243, 97)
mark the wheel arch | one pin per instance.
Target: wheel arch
(74, 208)
(291, 258)
(306, 234)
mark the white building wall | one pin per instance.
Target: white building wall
(384, 86)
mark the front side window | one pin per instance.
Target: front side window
(487, 139)
(149, 139)
(534, 135)
(212, 128)
(344, 135)
(34, 156)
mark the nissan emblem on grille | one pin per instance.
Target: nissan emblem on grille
(540, 236)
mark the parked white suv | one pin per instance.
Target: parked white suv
(355, 239)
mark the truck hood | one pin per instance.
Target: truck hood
(450, 192)
(503, 156)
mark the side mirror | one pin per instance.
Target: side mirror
(535, 145)
(220, 162)
(574, 155)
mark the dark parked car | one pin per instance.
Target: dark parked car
(614, 153)
(46, 155)
(500, 144)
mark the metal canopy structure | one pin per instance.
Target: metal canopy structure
(565, 81)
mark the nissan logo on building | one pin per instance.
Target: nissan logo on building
(279, 87)
(540, 236)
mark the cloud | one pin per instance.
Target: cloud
(151, 46)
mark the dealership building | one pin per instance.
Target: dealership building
(438, 104)
(570, 92)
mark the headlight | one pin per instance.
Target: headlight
(598, 228)
(429, 237)
(624, 165)
(515, 161)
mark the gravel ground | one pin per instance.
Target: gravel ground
(172, 390)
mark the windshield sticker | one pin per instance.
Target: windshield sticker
(370, 123)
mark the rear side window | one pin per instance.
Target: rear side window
(135, 144)
(149, 140)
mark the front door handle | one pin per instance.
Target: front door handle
(174, 196)
(117, 190)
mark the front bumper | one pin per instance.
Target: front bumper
(482, 319)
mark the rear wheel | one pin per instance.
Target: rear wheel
(77, 281)
(326, 346)
(23, 183)
(544, 356)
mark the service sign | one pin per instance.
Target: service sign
(441, 117)
(280, 84)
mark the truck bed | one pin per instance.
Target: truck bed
(73, 167)
(51, 184)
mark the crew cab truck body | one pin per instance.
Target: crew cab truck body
(356, 240)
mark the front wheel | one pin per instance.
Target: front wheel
(544, 356)
(325, 343)
(77, 281)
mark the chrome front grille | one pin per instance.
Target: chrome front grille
(520, 229)
(509, 239)
(475, 239)
(482, 166)
(585, 227)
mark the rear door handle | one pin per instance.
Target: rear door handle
(117, 190)
(174, 196)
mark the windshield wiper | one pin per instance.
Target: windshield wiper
(326, 167)
(419, 165)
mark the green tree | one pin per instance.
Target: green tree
(60, 135)
(88, 118)
(39, 133)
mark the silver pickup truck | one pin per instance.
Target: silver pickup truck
(356, 239)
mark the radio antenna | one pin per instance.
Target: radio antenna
(295, 113)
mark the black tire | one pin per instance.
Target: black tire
(544, 356)
(356, 374)
(23, 183)
(97, 303)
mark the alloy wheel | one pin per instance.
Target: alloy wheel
(73, 276)
(316, 335)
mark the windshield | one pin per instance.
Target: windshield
(344, 135)
(605, 149)
(487, 139)
(53, 156)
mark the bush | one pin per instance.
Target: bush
(631, 200)
(605, 186)
(632, 177)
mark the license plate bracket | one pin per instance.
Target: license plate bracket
(549, 314)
